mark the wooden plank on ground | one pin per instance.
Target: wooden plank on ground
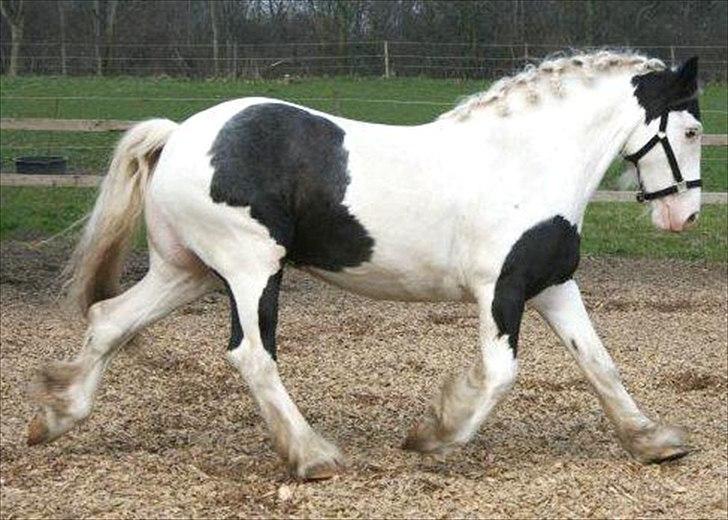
(77, 181)
(65, 125)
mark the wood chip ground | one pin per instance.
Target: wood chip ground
(176, 435)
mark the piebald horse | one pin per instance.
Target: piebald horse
(484, 204)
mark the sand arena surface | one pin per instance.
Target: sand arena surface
(176, 434)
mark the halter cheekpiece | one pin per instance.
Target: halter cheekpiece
(680, 185)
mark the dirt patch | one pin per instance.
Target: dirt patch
(175, 434)
(694, 381)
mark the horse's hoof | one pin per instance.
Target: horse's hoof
(657, 443)
(321, 471)
(38, 432)
(423, 438)
(318, 460)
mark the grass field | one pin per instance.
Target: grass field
(393, 101)
(610, 228)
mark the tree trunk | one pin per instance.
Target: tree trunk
(97, 20)
(215, 37)
(62, 33)
(589, 23)
(109, 34)
(16, 34)
(13, 13)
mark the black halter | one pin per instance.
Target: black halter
(680, 185)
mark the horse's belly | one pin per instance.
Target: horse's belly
(387, 283)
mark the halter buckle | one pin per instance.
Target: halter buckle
(661, 134)
(681, 186)
(640, 196)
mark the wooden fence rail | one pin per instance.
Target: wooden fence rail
(90, 181)
(107, 125)
(66, 125)
(715, 140)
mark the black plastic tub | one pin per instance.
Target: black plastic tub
(39, 164)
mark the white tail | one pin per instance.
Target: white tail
(94, 269)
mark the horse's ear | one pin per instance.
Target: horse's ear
(685, 85)
(689, 70)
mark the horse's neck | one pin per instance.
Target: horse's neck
(601, 123)
(568, 143)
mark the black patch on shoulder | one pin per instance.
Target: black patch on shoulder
(267, 315)
(545, 255)
(290, 167)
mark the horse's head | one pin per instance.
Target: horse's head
(664, 149)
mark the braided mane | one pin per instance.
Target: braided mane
(548, 76)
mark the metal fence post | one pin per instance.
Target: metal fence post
(672, 55)
(386, 59)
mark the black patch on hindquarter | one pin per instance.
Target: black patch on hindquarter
(668, 90)
(267, 315)
(236, 331)
(290, 167)
(545, 255)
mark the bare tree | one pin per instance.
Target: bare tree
(235, 15)
(175, 36)
(104, 19)
(61, 4)
(14, 13)
(589, 22)
(215, 22)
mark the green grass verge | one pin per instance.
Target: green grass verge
(625, 229)
(31, 212)
(179, 98)
(609, 228)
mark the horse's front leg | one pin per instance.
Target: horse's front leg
(467, 399)
(562, 307)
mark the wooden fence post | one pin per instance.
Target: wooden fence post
(386, 59)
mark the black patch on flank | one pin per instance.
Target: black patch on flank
(290, 167)
(545, 255)
(267, 315)
(667, 90)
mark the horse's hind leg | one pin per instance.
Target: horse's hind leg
(66, 390)
(253, 294)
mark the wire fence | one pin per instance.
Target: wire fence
(372, 58)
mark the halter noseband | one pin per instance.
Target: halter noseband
(680, 185)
